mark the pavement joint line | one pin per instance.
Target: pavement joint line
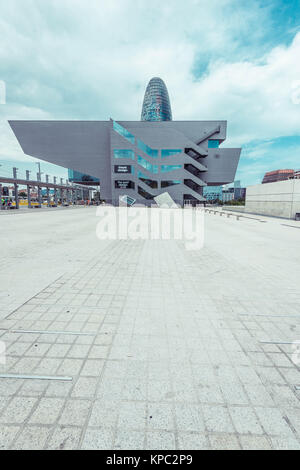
(43, 332)
(36, 377)
(267, 315)
(277, 342)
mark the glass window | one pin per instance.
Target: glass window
(148, 150)
(144, 193)
(169, 153)
(124, 132)
(147, 165)
(166, 168)
(124, 153)
(213, 144)
(151, 183)
(166, 184)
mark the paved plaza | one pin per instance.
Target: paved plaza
(160, 347)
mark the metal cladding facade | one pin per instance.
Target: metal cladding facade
(156, 106)
(136, 159)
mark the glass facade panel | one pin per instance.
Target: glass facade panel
(212, 193)
(169, 153)
(148, 150)
(213, 144)
(166, 184)
(147, 165)
(151, 183)
(77, 177)
(124, 153)
(124, 132)
(166, 168)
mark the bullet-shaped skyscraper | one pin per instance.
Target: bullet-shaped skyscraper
(156, 106)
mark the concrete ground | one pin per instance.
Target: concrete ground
(171, 352)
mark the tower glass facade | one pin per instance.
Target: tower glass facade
(77, 177)
(156, 106)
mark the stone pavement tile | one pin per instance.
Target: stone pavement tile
(58, 350)
(63, 339)
(224, 442)
(102, 339)
(245, 421)
(7, 435)
(18, 410)
(189, 418)
(184, 392)
(85, 387)
(135, 389)
(26, 365)
(75, 412)
(70, 367)
(227, 375)
(273, 422)
(283, 443)
(204, 374)
(129, 440)
(104, 413)
(291, 376)
(31, 438)
(132, 415)
(217, 419)
(260, 359)
(3, 403)
(255, 443)
(114, 369)
(92, 368)
(17, 348)
(110, 389)
(210, 394)
(259, 396)
(78, 351)
(234, 394)
(293, 416)
(160, 440)
(47, 411)
(98, 439)
(238, 358)
(160, 416)
(87, 340)
(160, 391)
(59, 389)
(193, 441)
(64, 438)
(283, 396)
(248, 376)
(98, 352)
(269, 375)
(9, 387)
(37, 350)
(47, 366)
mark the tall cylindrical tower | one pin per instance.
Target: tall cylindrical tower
(156, 106)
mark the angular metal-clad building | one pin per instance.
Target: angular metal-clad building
(156, 106)
(136, 160)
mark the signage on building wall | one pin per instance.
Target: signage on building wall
(124, 184)
(122, 169)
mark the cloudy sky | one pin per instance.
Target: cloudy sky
(92, 59)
